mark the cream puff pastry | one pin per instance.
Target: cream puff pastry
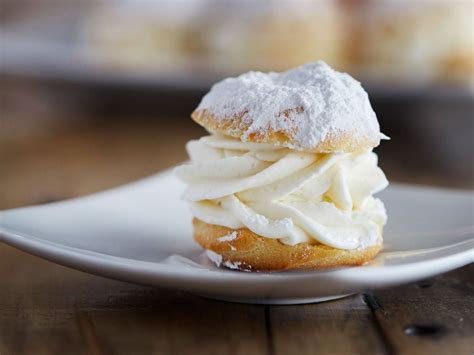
(414, 42)
(286, 178)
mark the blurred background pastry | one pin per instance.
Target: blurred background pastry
(413, 42)
(143, 35)
(274, 35)
(421, 42)
(213, 35)
(409, 43)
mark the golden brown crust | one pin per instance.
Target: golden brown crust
(249, 251)
(236, 127)
(368, 27)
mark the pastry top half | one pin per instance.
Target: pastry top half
(311, 108)
(289, 158)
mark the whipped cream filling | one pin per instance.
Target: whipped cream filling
(290, 195)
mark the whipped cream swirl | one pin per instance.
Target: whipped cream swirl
(281, 193)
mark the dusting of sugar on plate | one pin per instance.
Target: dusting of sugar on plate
(181, 261)
(233, 265)
(310, 104)
(214, 257)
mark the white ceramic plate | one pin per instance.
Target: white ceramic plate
(141, 233)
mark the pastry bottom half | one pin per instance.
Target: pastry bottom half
(242, 249)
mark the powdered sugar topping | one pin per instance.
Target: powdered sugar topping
(228, 237)
(235, 265)
(310, 104)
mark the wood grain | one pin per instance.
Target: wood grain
(430, 317)
(183, 324)
(90, 158)
(49, 309)
(344, 326)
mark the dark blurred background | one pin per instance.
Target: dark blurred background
(98, 93)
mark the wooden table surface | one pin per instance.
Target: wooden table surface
(49, 309)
